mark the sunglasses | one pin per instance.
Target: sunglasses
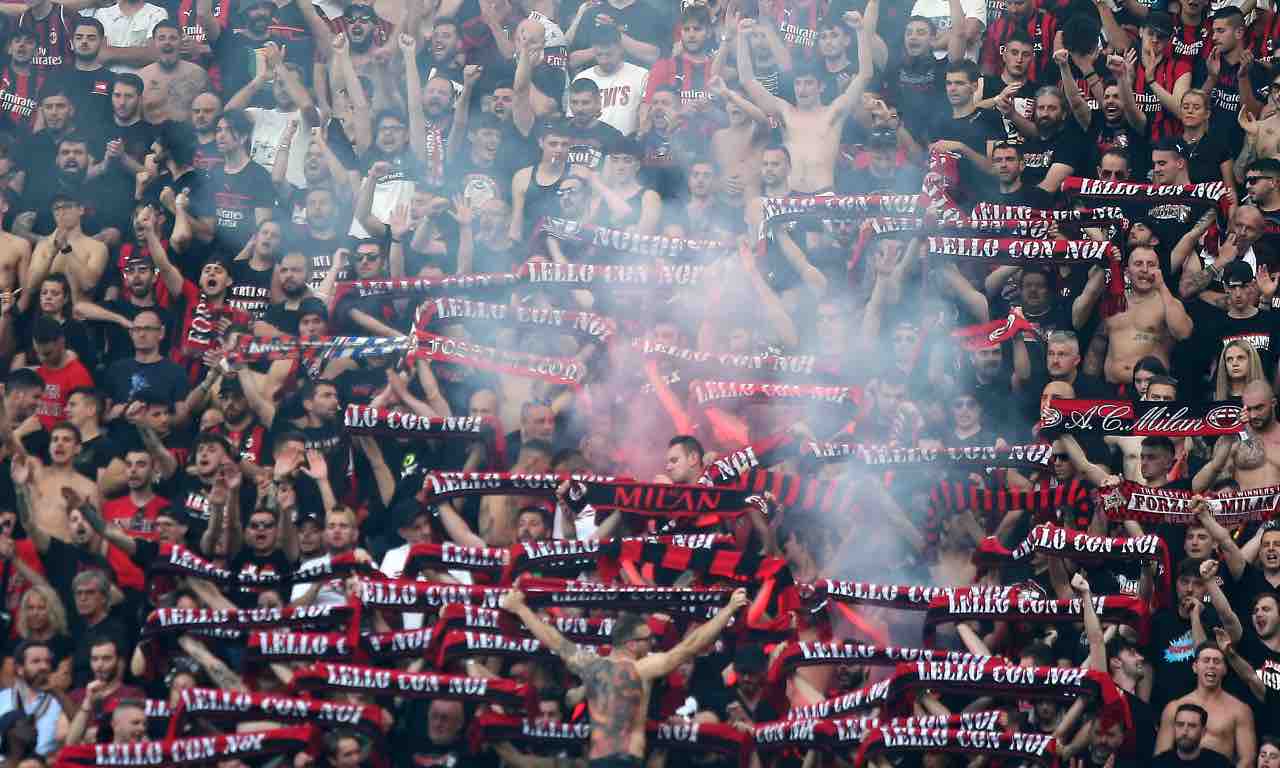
(368, 256)
(965, 405)
(1061, 457)
(261, 526)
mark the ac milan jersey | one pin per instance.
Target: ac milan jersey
(687, 76)
(53, 38)
(1160, 122)
(1192, 41)
(18, 93)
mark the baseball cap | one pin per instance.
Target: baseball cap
(133, 257)
(749, 659)
(625, 146)
(883, 137)
(47, 329)
(406, 511)
(1237, 273)
(312, 306)
(1160, 23)
(1170, 144)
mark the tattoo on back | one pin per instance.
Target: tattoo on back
(616, 694)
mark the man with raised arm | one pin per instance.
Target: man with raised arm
(811, 129)
(618, 686)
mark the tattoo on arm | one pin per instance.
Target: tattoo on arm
(1194, 282)
(1250, 452)
(93, 518)
(575, 657)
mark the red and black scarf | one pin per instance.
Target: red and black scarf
(1130, 501)
(1141, 418)
(238, 706)
(197, 750)
(378, 681)
(1035, 456)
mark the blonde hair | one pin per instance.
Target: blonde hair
(342, 510)
(1222, 385)
(57, 612)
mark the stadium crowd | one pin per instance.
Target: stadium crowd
(630, 383)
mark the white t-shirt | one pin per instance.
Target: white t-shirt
(268, 127)
(939, 12)
(620, 94)
(333, 592)
(393, 567)
(396, 188)
(127, 31)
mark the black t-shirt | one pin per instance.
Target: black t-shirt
(479, 184)
(236, 56)
(128, 378)
(1146, 724)
(587, 146)
(96, 454)
(330, 439)
(112, 626)
(119, 345)
(1170, 653)
(640, 21)
(918, 88)
(1262, 331)
(235, 196)
(137, 139)
(1206, 759)
(1225, 100)
(246, 560)
(250, 288)
(1207, 155)
(319, 253)
(190, 497)
(1069, 147)
(90, 92)
(1024, 101)
(1104, 136)
(1028, 194)
(974, 131)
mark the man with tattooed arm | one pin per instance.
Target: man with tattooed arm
(1253, 458)
(618, 685)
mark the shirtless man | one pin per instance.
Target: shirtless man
(737, 147)
(811, 130)
(15, 254)
(618, 685)
(1253, 457)
(1262, 133)
(1230, 729)
(42, 506)
(171, 83)
(1150, 324)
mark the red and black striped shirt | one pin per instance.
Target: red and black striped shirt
(1190, 41)
(1263, 35)
(798, 24)
(1160, 123)
(53, 38)
(1041, 26)
(18, 98)
(687, 76)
